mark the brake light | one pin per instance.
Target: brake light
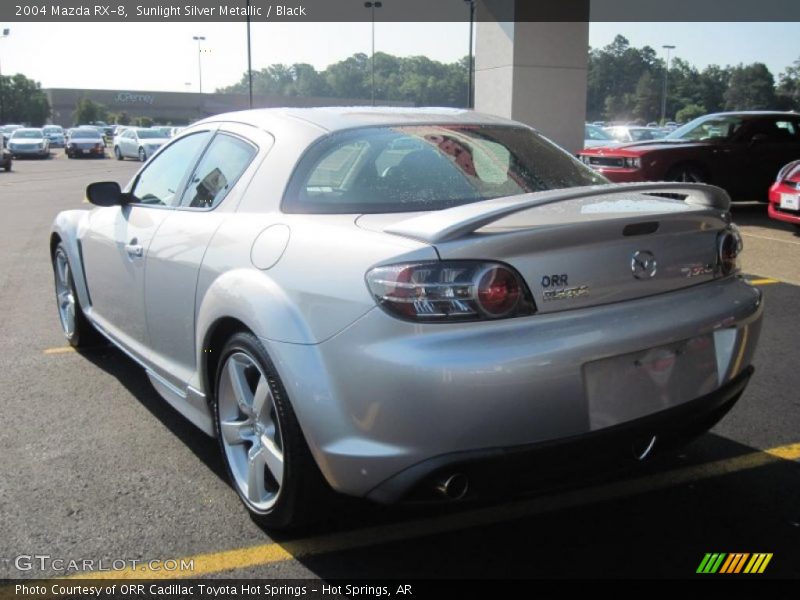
(450, 291)
(729, 246)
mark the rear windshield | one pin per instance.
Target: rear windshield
(427, 167)
(85, 133)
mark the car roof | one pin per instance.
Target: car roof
(336, 118)
(754, 113)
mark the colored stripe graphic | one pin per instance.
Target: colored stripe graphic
(711, 562)
(721, 562)
(734, 563)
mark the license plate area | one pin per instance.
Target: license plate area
(630, 386)
(790, 201)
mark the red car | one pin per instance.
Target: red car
(784, 195)
(740, 152)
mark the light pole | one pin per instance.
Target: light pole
(199, 39)
(4, 34)
(471, 74)
(249, 59)
(372, 6)
(666, 78)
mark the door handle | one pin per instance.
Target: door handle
(134, 249)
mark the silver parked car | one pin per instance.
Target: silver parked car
(407, 303)
(29, 141)
(139, 143)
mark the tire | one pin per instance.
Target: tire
(263, 447)
(118, 153)
(142, 155)
(79, 332)
(687, 173)
(8, 167)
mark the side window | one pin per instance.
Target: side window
(787, 130)
(223, 163)
(160, 182)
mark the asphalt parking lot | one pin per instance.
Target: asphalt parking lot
(94, 465)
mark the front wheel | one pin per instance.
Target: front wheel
(142, 155)
(117, 153)
(76, 327)
(264, 451)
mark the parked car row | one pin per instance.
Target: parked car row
(82, 141)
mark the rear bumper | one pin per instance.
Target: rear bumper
(497, 470)
(385, 395)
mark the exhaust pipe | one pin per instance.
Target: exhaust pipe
(453, 487)
(642, 448)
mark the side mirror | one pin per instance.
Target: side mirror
(106, 193)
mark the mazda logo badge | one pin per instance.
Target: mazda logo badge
(643, 264)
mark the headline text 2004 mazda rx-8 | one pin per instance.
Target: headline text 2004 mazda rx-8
(400, 302)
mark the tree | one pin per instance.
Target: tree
(751, 87)
(690, 112)
(87, 111)
(647, 99)
(143, 122)
(789, 87)
(23, 101)
(714, 82)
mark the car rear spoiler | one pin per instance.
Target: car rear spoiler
(453, 223)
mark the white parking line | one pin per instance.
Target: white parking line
(766, 237)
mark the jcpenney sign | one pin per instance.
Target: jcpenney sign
(131, 98)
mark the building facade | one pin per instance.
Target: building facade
(178, 108)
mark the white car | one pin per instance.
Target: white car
(139, 143)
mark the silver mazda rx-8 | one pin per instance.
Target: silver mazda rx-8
(408, 304)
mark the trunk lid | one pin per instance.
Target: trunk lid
(582, 247)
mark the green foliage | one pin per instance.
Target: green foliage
(143, 122)
(788, 92)
(626, 83)
(87, 111)
(415, 79)
(751, 87)
(623, 83)
(22, 101)
(689, 112)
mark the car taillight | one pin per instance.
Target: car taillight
(450, 291)
(729, 246)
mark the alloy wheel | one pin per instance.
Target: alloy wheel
(64, 294)
(250, 432)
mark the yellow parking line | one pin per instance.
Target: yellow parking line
(272, 552)
(765, 281)
(59, 350)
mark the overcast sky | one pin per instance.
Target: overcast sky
(162, 56)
